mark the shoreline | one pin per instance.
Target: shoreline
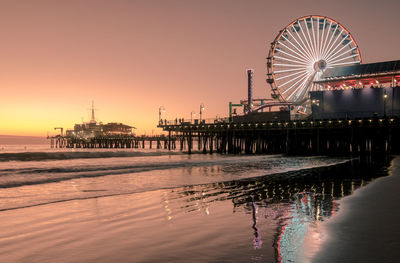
(365, 228)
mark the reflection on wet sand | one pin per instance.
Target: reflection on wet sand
(291, 203)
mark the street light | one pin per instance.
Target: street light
(384, 103)
(201, 110)
(191, 116)
(160, 110)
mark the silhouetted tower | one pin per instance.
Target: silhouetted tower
(93, 119)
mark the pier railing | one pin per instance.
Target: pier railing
(292, 124)
(193, 121)
(113, 141)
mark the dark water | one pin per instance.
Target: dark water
(152, 206)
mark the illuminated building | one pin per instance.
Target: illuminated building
(358, 91)
(97, 129)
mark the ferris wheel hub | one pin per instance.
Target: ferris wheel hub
(320, 65)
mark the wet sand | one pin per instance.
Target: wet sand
(197, 211)
(367, 226)
(146, 227)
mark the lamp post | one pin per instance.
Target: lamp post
(160, 110)
(201, 110)
(384, 104)
(191, 116)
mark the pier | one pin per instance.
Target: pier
(364, 136)
(104, 142)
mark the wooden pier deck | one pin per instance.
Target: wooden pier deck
(367, 136)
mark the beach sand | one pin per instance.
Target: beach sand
(367, 226)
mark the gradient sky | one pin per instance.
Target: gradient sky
(130, 57)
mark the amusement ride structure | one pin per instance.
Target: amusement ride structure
(300, 54)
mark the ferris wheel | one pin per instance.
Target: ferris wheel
(300, 54)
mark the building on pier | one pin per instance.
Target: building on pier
(93, 129)
(358, 91)
(356, 103)
(87, 130)
(380, 74)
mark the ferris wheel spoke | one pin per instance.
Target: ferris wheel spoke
(308, 40)
(330, 40)
(333, 44)
(304, 78)
(309, 37)
(329, 50)
(299, 54)
(306, 87)
(313, 33)
(300, 87)
(291, 80)
(291, 60)
(313, 38)
(312, 86)
(338, 60)
(290, 55)
(344, 63)
(303, 46)
(318, 43)
(305, 39)
(287, 70)
(341, 54)
(325, 43)
(334, 54)
(325, 39)
(338, 45)
(290, 75)
(289, 48)
(301, 51)
(322, 36)
(332, 34)
(290, 65)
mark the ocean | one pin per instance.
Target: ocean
(142, 205)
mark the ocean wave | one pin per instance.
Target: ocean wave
(15, 177)
(239, 190)
(38, 176)
(45, 156)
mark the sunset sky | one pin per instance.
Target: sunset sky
(131, 57)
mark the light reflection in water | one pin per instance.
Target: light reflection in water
(257, 242)
(290, 204)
